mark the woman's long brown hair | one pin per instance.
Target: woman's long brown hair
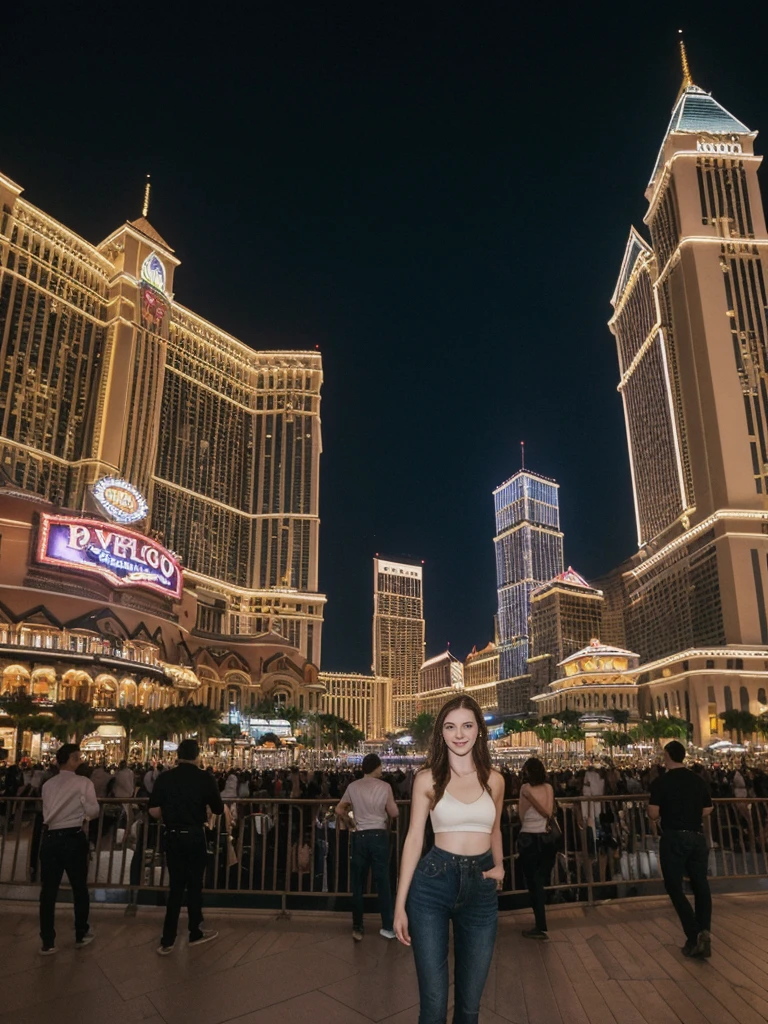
(437, 756)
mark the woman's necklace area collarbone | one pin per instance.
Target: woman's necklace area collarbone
(463, 775)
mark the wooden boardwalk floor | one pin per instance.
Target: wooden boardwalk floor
(615, 964)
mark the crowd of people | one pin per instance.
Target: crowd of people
(299, 829)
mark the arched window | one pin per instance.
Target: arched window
(281, 699)
(658, 705)
(728, 698)
(761, 696)
(744, 698)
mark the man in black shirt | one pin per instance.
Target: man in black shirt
(181, 797)
(681, 800)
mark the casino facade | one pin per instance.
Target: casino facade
(158, 484)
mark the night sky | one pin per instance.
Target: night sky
(437, 195)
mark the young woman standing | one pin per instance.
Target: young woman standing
(537, 853)
(457, 880)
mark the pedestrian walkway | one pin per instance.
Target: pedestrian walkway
(615, 963)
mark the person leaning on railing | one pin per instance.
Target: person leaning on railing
(681, 800)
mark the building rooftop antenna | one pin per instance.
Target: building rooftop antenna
(687, 80)
(147, 190)
(522, 454)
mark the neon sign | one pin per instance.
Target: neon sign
(122, 557)
(153, 272)
(120, 500)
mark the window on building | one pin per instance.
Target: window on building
(728, 697)
(761, 696)
(744, 698)
(709, 663)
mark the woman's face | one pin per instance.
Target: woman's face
(460, 730)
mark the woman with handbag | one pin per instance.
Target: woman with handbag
(537, 842)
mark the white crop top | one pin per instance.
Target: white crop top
(452, 815)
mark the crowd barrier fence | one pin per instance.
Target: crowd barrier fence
(295, 853)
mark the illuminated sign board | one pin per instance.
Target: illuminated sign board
(153, 272)
(122, 557)
(120, 500)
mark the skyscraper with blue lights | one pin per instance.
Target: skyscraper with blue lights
(529, 552)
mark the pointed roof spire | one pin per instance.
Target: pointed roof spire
(687, 80)
(147, 190)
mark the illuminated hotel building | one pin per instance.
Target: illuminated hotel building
(691, 328)
(566, 614)
(363, 700)
(398, 632)
(106, 376)
(529, 551)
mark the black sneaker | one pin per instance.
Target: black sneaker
(689, 949)
(703, 946)
(535, 933)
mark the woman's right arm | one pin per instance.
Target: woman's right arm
(414, 841)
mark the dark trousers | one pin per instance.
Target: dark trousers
(370, 849)
(185, 855)
(684, 854)
(59, 852)
(537, 858)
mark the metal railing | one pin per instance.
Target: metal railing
(294, 851)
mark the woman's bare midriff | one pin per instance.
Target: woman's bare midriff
(465, 844)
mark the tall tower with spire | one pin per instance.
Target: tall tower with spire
(529, 552)
(691, 326)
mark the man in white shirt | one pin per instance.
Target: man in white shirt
(68, 800)
(372, 803)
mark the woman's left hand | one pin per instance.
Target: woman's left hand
(497, 874)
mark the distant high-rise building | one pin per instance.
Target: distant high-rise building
(691, 326)
(398, 632)
(529, 552)
(566, 614)
(365, 701)
(440, 678)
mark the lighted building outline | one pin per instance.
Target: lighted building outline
(398, 632)
(691, 328)
(106, 374)
(529, 552)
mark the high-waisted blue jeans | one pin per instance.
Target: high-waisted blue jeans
(447, 887)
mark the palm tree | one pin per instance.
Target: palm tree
(270, 737)
(203, 721)
(567, 717)
(421, 728)
(546, 732)
(573, 734)
(75, 720)
(739, 722)
(20, 710)
(163, 723)
(621, 717)
(519, 725)
(231, 732)
(338, 731)
(293, 715)
(614, 738)
(131, 719)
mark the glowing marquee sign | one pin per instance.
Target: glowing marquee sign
(122, 557)
(153, 272)
(120, 500)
